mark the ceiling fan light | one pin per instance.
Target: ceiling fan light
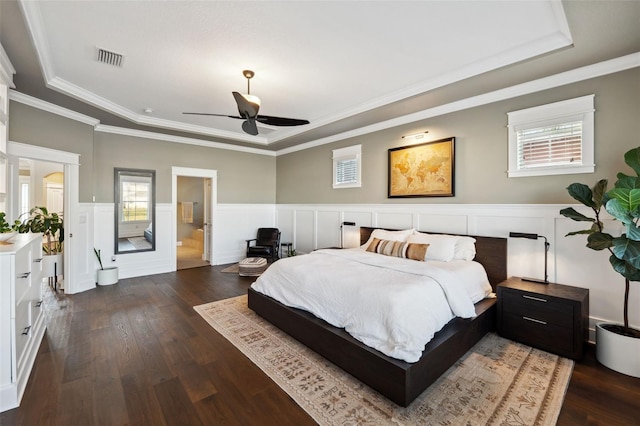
(251, 98)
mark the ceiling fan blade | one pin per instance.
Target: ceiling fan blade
(250, 127)
(280, 121)
(246, 106)
(214, 115)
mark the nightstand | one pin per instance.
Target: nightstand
(551, 317)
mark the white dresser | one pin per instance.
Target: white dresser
(21, 320)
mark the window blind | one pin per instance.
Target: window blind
(347, 171)
(557, 144)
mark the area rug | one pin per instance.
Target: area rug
(497, 382)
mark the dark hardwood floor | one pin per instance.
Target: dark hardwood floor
(137, 353)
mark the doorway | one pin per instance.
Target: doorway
(194, 199)
(191, 221)
(76, 261)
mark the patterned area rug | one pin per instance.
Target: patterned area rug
(497, 382)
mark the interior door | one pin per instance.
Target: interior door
(206, 255)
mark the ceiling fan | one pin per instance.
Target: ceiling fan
(248, 106)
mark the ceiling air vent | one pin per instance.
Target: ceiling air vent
(110, 58)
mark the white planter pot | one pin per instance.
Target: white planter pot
(619, 353)
(108, 276)
(52, 265)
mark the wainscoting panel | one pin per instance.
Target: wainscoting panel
(286, 224)
(454, 224)
(396, 219)
(330, 234)
(305, 231)
(233, 224)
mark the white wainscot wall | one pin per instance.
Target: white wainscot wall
(233, 224)
(310, 227)
(134, 264)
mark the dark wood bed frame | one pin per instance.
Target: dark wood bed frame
(398, 380)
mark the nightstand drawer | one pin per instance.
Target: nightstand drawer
(552, 317)
(538, 307)
(547, 336)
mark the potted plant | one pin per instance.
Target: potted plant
(617, 345)
(106, 276)
(52, 228)
(7, 231)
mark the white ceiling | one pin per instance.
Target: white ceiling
(324, 61)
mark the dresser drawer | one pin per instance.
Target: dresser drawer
(23, 274)
(539, 307)
(23, 325)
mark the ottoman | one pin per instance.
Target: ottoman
(252, 266)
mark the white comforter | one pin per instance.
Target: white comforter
(390, 304)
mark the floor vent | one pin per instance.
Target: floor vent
(110, 58)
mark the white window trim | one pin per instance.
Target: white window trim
(579, 108)
(348, 153)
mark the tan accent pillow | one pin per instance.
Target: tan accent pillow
(373, 246)
(398, 249)
(416, 251)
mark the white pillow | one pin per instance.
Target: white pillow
(441, 247)
(465, 248)
(383, 234)
(445, 247)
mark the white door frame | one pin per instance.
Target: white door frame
(192, 172)
(71, 163)
(208, 218)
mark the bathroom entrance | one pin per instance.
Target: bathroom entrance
(193, 219)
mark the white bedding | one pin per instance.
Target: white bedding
(391, 304)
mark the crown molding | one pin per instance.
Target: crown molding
(72, 115)
(52, 108)
(179, 139)
(573, 76)
(6, 68)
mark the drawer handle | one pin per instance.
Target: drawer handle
(37, 260)
(535, 320)
(25, 275)
(38, 303)
(26, 330)
(537, 299)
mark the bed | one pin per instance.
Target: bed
(398, 380)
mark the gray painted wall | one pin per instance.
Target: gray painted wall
(242, 177)
(481, 152)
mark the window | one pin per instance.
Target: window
(135, 194)
(24, 196)
(346, 167)
(552, 139)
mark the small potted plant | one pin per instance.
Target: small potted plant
(7, 231)
(106, 276)
(617, 345)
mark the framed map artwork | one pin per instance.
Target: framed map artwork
(425, 170)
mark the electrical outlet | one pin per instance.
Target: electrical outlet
(113, 258)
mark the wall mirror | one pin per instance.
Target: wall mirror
(135, 210)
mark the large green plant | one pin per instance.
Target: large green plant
(51, 226)
(623, 203)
